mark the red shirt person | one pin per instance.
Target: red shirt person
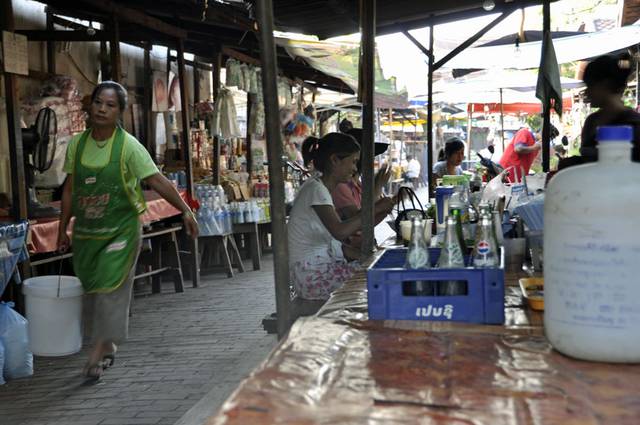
(522, 151)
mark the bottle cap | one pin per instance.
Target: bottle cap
(614, 133)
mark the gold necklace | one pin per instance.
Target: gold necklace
(101, 143)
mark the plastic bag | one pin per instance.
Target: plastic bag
(1, 362)
(18, 360)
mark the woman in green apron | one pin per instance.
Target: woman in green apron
(102, 191)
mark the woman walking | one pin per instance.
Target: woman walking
(104, 167)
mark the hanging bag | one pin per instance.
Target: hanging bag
(402, 212)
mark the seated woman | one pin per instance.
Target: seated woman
(347, 197)
(453, 156)
(318, 261)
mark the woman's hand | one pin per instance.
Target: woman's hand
(190, 224)
(63, 241)
(381, 179)
(384, 205)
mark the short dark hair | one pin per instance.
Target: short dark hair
(121, 93)
(612, 70)
(307, 148)
(339, 144)
(345, 125)
(453, 145)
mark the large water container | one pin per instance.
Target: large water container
(592, 253)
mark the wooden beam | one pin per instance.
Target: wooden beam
(473, 38)
(149, 140)
(249, 135)
(215, 163)
(104, 63)
(114, 51)
(367, 94)
(19, 194)
(199, 65)
(417, 43)
(131, 15)
(188, 157)
(227, 51)
(51, 47)
(274, 155)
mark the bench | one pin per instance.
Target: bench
(157, 267)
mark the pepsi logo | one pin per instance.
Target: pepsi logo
(483, 247)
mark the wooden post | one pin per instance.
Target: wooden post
(16, 152)
(195, 266)
(502, 120)
(250, 98)
(274, 155)
(217, 66)
(104, 63)
(51, 46)
(196, 84)
(114, 51)
(432, 185)
(546, 109)
(469, 125)
(149, 140)
(367, 90)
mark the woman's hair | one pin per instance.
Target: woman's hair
(121, 93)
(339, 144)
(612, 70)
(307, 148)
(452, 146)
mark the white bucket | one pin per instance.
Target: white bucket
(55, 320)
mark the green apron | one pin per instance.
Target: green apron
(106, 232)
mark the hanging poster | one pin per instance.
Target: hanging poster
(160, 101)
(174, 93)
(15, 54)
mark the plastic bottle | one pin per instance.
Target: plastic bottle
(592, 252)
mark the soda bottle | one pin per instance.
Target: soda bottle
(451, 257)
(417, 254)
(418, 258)
(485, 251)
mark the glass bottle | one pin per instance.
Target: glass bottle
(485, 251)
(451, 257)
(418, 253)
(456, 212)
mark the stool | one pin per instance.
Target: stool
(209, 245)
(158, 238)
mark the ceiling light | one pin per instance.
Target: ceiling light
(488, 5)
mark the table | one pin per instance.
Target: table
(43, 233)
(340, 367)
(250, 230)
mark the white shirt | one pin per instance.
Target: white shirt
(413, 169)
(309, 239)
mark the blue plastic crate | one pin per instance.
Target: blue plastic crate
(392, 292)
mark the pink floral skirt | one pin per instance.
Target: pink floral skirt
(312, 281)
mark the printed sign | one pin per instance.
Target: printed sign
(15, 53)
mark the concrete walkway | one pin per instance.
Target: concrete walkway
(184, 350)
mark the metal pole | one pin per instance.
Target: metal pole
(114, 51)
(469, 125)
(51, 45)
(367, 84)
(274, 155)
(430, 179)
(149, 140)
(249, 136)
(546, 110)
(215, 163)
(195, 266)
(502, 120)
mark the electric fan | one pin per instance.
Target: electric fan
(39, 144)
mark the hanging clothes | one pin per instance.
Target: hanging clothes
(225, 118)
(234, 73)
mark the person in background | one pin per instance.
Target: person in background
(308, 145)
(319, 262)
(453, 156)
(347, 197)
(606, 79)
(413, 170)
(104, 167)
(522, 151)
(345, 126)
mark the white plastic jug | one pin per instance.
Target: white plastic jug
(592, 254)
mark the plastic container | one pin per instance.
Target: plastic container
(592, 252)
(392, 291)
(533, 291)
(55, 322)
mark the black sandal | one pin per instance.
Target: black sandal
(108, 360)
(94, 372)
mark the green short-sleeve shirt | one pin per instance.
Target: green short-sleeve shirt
(138, 164)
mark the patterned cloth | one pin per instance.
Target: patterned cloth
(316, 281)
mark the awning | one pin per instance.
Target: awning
(568, 49)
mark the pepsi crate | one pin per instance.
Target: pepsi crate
(396, 293)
